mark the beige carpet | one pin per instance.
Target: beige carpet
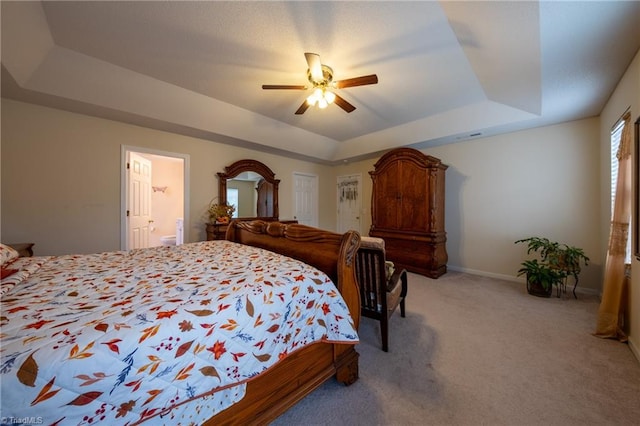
(481, 351)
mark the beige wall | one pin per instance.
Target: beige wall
(543, 181)
(247, 197)
(61, 178)
(626, 95)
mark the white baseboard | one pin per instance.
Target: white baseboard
(485, 274)
(513, 278)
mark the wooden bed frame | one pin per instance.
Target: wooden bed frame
(276, 390)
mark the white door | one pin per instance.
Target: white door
(305, 199)
(349, 202)
(139, 201)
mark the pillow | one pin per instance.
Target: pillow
(6, 272)
(7, 254)
(389, 269)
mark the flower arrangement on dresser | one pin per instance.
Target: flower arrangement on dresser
(221, 212)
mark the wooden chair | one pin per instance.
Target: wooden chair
(382, 287)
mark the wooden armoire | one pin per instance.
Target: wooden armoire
(264, 204)
(407, 210)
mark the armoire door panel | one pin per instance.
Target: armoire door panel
(414, 208)
(387, 214)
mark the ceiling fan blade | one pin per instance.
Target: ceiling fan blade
(343, 104)
(315, 66)
(302, 108)
(283, 87)
(357, 81)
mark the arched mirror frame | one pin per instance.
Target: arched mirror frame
(255, 166)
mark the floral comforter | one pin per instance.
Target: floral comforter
(167, 333)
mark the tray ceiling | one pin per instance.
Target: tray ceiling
(447, 71)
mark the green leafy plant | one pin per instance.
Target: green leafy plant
(556, 262)
(218, 211)
(571, 259)
(540, 277)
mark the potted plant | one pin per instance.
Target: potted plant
(556, 262)
(221, 212)
(540, 277)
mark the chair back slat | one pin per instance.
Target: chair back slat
(371, 278)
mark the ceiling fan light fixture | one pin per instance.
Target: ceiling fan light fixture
(329, 97)
(314, 97)
(321, 78)
(321, 97)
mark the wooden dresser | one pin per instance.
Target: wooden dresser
(216, 231)
(407, 209)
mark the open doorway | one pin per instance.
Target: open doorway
(154, 198)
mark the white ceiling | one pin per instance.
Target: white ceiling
(447, 70)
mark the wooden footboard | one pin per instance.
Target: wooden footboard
(273, 392)
(277, 390)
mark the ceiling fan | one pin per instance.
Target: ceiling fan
(321, 78)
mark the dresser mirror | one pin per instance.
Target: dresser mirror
(252, 187)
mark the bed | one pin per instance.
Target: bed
(215, 332)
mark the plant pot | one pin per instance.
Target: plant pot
(537, 289)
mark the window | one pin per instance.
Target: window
(232, 199)
(616, 136)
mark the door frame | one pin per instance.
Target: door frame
(124, 187)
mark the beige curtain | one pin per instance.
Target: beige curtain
(612, 307)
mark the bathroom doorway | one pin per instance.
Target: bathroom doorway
(154, 198)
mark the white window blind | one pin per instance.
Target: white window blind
(616, 135)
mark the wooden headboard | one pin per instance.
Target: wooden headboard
(332, 253)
